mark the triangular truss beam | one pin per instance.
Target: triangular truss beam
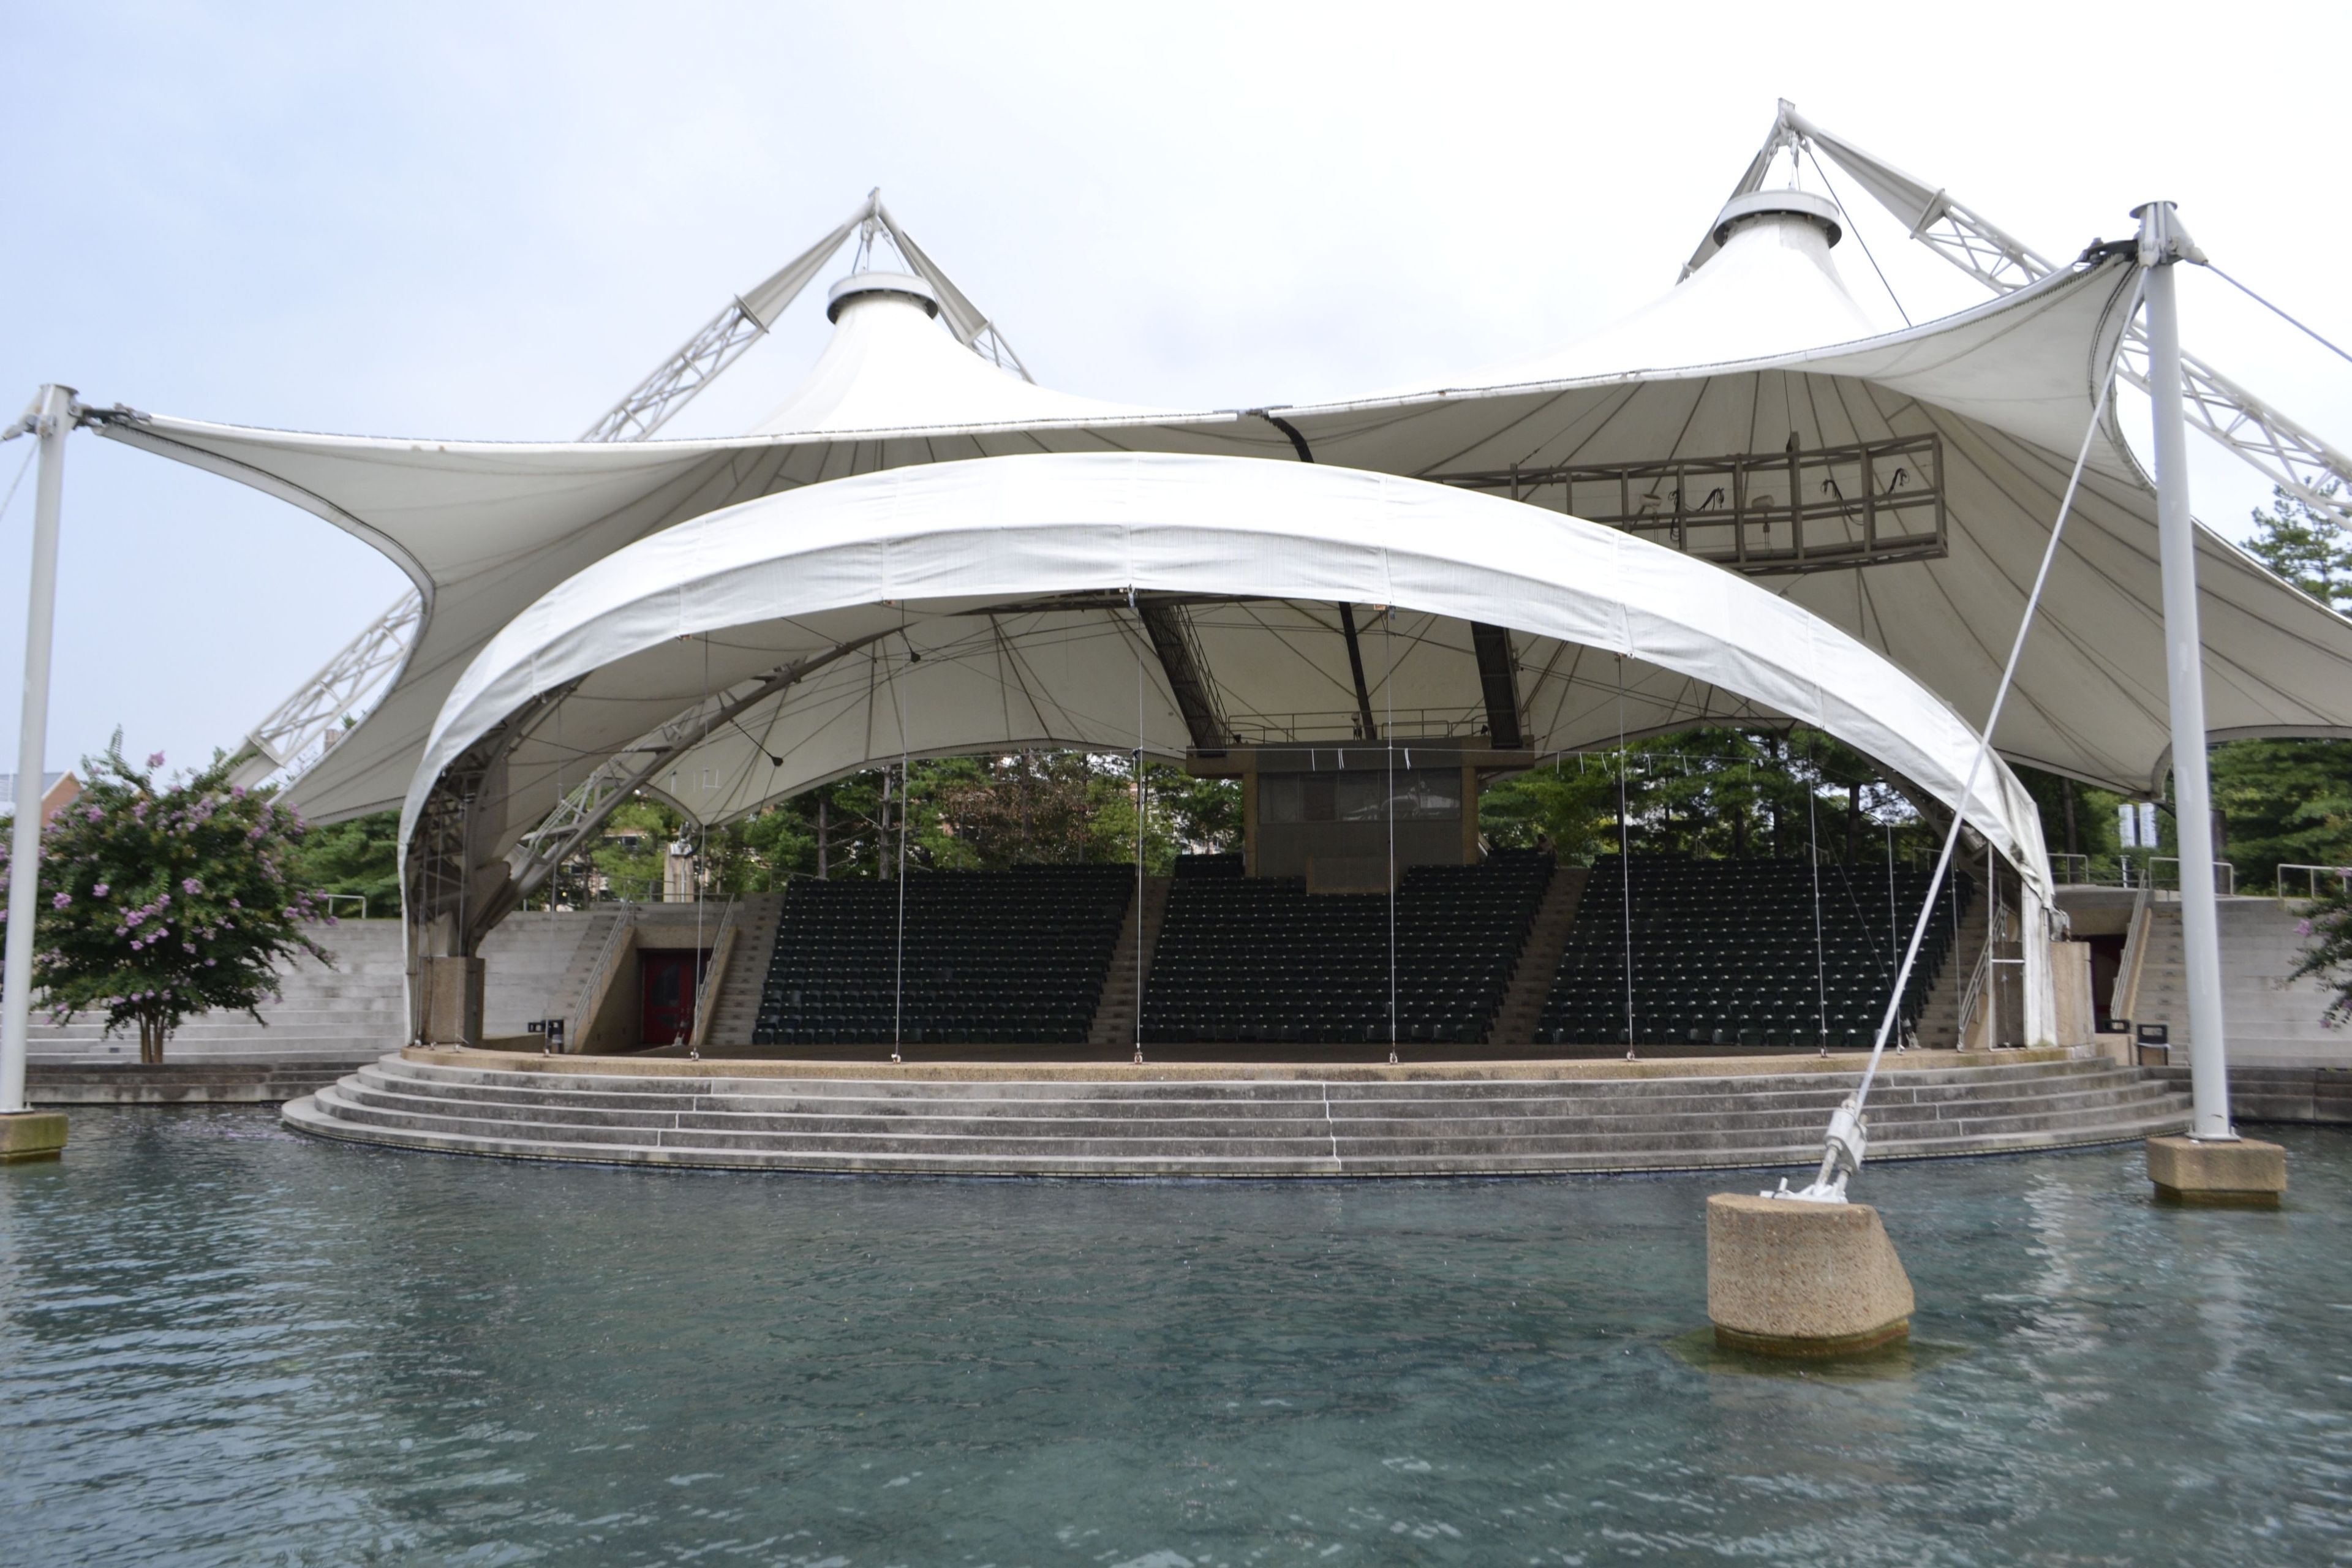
(2290, 455)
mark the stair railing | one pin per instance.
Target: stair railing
(2124, 1003)
(710, 973)
(1979, 975)
(592, 985)
(2311, 875)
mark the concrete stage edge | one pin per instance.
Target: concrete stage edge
(1014, 1118)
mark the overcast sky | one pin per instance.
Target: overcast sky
(489, 220)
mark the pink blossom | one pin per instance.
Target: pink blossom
(99, 891)
(155, 759)
(94, 815)
(61, 900)
(188, 947)
(191, 886)
(234, 905)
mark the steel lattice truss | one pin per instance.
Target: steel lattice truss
(2284, 452)
(304, 727)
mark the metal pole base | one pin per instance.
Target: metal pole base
(1811, 1281)
(32, 1135)
(2242, 1173)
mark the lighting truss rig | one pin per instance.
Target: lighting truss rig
(1762, 513)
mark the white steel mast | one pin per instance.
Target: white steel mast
(300, 730)
(2291, 457)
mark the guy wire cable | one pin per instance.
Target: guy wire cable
(1984, 748)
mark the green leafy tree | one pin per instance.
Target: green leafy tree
(359, 856)
(2285, 802)
(2308, 546)
(2329, 957)
(163, 900)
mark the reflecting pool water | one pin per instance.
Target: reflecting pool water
(219, 1343)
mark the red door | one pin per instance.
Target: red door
(665, 981)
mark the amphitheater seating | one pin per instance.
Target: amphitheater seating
(1724, 953)
(1260, 960)
(1011, 957)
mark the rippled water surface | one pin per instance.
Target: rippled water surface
(219, 1343)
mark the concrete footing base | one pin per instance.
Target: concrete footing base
(1795, 1279)
(32, 1135)
(2246, 1174)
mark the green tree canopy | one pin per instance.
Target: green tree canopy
(163, 900)
(2310, 547)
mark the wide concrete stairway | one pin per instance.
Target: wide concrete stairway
(352, 1011)
(2269, 1021)
(1286, 1122)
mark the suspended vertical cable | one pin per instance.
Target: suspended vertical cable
(1387, 696)
(1821, 962)
(1141, 632)
(899, 985)
(702, 864)
(1625, 858)
(1894, 931)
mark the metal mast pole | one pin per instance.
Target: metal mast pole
(53, 421)
(2162, 244)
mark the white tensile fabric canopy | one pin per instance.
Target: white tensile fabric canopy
(2009, 389)
(984, 607)
(484, 528)
(1732, 360)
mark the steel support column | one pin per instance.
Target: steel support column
(2162, 244)
(52, 420)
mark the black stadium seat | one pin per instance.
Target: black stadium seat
(1261, 960)
(1725, 952)
(1011, 957)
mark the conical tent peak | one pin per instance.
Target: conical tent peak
(897, 285)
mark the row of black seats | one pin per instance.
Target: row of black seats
(1754, 953)
(1261, 960)
(1012, 957)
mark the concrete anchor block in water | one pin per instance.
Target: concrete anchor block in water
(2246, 1172)
(32, 1135)
(1786, 1277)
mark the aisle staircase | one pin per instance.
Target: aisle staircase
(1293, 1122)
(1514, 1021)
(1114, 1021)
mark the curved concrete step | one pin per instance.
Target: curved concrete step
(1123, 1126)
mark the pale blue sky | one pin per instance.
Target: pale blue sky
(489, 220)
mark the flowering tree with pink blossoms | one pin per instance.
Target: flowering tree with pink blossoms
(160, 899)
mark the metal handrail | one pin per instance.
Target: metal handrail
(360, 898)
(2343, 874)
(1973, 992)
(2225, 874)
(581, 1021)
(2123, 1002)
(710, 968)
